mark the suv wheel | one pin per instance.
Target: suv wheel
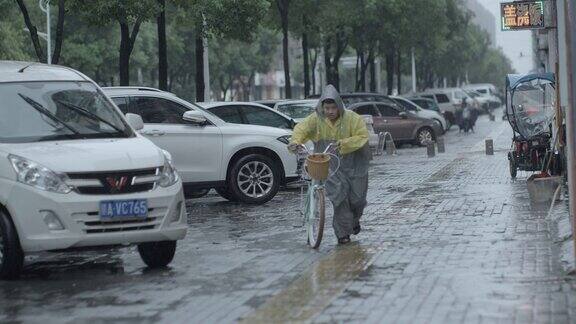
(11, 255)
(254, 179)
(424, 136)
(157, 254)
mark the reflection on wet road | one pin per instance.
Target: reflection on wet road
(315, 289)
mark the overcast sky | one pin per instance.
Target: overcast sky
(517, 45)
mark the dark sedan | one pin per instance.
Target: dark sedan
(356, 97)
(403, 126)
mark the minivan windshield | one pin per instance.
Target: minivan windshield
(64, 110)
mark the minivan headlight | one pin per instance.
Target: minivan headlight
(38, 176)
(169, 174)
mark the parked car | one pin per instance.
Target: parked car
(297, 109)
(481, 103)
(270, 103)
(355, 97)
(248, 113)
(426, 103)
(246, 163)
(415, 109)
(448, 99)
(488, 91)
(74, 174)
(403, 127)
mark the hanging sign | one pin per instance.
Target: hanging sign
(521, 15)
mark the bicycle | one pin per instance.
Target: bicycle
(313, 202)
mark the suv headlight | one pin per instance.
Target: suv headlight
(169, 175)
(285, 139)
(38, 176)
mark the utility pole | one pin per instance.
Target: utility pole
(570, 14)
(413, 72)
(45, 7)
(206, 72)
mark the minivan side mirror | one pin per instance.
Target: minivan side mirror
(135, 121)
(292, 123)
(195, 117)
(403, 115)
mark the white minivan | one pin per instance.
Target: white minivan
(75, 174)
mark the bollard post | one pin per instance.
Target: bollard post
(440, 144)
(489, 146)
(430, 149)
(390, 147)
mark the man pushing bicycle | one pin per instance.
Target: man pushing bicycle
(348, 186)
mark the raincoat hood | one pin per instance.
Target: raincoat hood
(330, 93)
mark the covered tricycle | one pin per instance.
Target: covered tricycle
(530, 110)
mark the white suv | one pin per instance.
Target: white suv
(448, 99)
(74, 174)
(245, 163)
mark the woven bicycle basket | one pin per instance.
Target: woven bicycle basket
(318, 166)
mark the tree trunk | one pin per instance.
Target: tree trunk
(390, 72)
(59, 32)
(200, 82)
(124, 60)
(328, 63)
(305, 53)
(373, 80)
(364, 62)
(33, 32)
(399, 71)
(332, 70)
(127, 41)
(314, 61)
(162, 47)
(357, 70)
(283, 6)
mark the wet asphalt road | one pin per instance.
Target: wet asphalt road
(448, 239)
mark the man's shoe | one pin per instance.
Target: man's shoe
(344, 240)
(357, 229)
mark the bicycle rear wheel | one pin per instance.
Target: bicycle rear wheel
(316, 217)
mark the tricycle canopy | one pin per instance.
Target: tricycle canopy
(530, 102)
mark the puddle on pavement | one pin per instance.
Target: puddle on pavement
(316, 288)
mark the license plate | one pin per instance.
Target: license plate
(124, 209)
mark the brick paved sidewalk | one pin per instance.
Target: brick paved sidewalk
(454, 242)
(449, 239)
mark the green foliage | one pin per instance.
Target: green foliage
(234, 61)
(102, 12)
(12, 46)
(244, 39)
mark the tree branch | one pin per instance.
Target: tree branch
(33, 31)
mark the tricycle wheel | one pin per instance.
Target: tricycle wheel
(513, 169)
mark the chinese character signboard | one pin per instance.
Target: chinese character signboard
(522, 15)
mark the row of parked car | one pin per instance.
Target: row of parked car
(482, 97)
(82, 166)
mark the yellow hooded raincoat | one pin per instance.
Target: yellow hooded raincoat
(347, 188)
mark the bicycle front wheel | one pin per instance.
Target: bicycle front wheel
(316, 217)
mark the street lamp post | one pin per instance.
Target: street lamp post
(45, 7)
(570, 13)
(413, 72)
